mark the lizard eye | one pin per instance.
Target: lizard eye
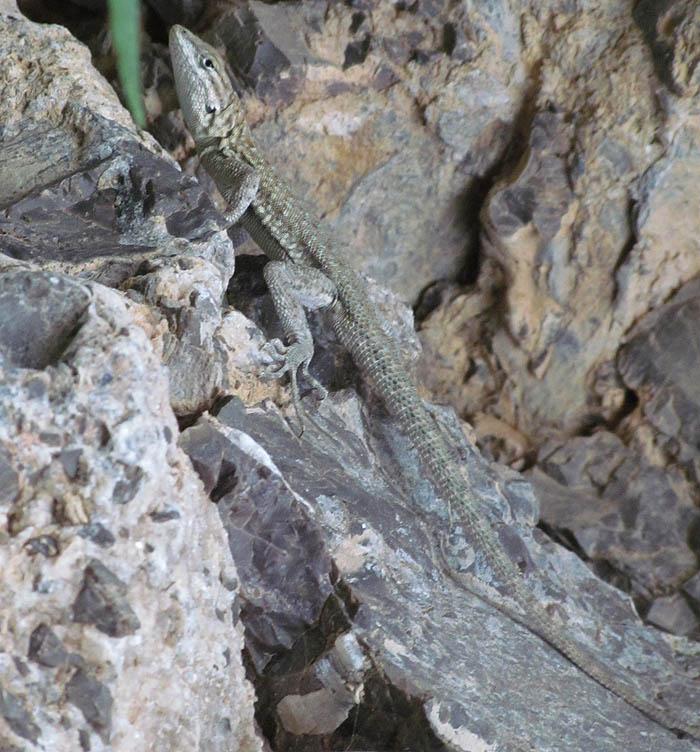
(208, 63)
(211, 109)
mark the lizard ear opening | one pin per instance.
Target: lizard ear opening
(211, 110)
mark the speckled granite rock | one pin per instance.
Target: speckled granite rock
(119, 627)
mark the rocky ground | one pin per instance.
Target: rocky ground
(524, 177)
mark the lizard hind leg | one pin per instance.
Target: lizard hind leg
(294, 288)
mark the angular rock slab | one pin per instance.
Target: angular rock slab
(660, 361)
(623, 511)
(82, 190)
(423, 663)
(79, 185)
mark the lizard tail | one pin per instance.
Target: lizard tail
(406, 405)
(375, 357)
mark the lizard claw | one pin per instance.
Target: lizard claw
(277, 351)
(289, 359)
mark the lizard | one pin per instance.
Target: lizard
(305, 271)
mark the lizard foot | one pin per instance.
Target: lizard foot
(289, 359)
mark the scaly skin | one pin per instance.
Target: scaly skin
(306, 271)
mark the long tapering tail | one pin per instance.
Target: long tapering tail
(377, 358)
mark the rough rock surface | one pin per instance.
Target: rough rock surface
(82, 192)
(620, 509)
(118, 628)
(390, 122)
(357, 635)
(545, 152)
(592, 225)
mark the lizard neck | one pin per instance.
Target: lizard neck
(231, 134)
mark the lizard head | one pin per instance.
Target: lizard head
(209, 104)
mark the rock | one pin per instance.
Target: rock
(588, 217)
(345, 504)
(82, 192)
(43, 305)
(658, 362)
(17, 717)
(45, 648)
(375, 100)
(673, 614)
(102, 602)
(671, 31)
(545, 155)
(94, 700)
(620, 509)
(119, 629)
(692, 587)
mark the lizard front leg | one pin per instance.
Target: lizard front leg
(236, 180)
(296, 288)
(293, 287)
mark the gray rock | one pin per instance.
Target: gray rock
(94, 701)
(620, 510)
(425, 132)
(97, 533)
(45, 648)
(363, 500)
(9, 478)
(205, 449)
(46, 545)
(128, 486)
(82, 191)
(692, 587)
(40, 313)
(659, 362)
(670, 30)
(267, 541)
(673, 614)
(391, 151)
(117, 605)
(13, 711)
(127, 207)
(102, 602)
